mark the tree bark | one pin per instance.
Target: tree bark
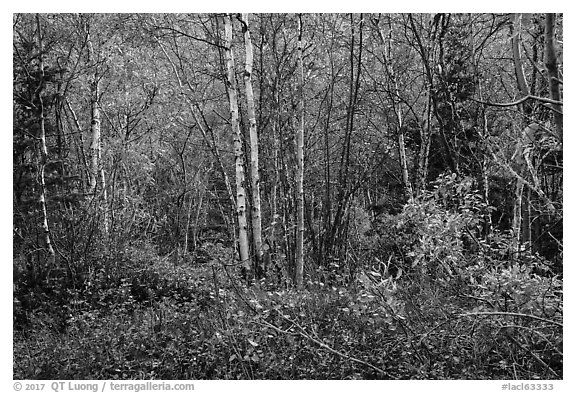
(80, 147)
(299, 271)
(425, 141)
(553, 78)
(238, 150)
(43, 151)
(519, 69)
(520, 200)
(254, 164)
(96, 167)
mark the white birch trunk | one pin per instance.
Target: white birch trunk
(299, 273)
(254, 165)
(523, 87)
(238, 151)
(96, 167)
(43, 152)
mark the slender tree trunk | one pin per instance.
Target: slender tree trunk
(238, 150)
(519, 69)
(425, 141)
(81, 153)
(527, 218)
(96, 167)
(484, 168)
(520, 200)
(277, 179)
(104, 195)
(403, 160)
(486, 192)
(553, 78)
(254, 164)
(43, 151)
(197, 219)
(187, 227)
(95, 117)
(299, 271)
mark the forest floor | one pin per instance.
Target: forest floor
(201, 321)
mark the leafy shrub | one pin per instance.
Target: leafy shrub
(455, 286)
(431, 298)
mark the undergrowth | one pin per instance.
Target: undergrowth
(429, 300)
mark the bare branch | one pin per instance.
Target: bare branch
(303, 333)
(510, 314)
(520, 101)
(189, 36)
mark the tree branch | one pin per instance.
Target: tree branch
(510, 314)
(303, 333)
(189, 36)
(520, 101)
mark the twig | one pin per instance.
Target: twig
(554, 347)
(225, 326)
(510, 314)
(538, 359)
(501, 162)
(303, 333)
(184, 34)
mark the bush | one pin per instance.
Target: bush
(431, 297)
(459, 288)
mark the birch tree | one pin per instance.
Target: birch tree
(96, 167)
(254, 165)
(299, 271)
(238, 149)
(43, 150)
(520, 220)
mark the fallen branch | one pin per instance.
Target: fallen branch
(303, 333)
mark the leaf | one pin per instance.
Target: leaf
(231, 358)
(253, 343)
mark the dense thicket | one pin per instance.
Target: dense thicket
(218, 196)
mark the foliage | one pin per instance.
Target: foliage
(424, 257)
(166, 321)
